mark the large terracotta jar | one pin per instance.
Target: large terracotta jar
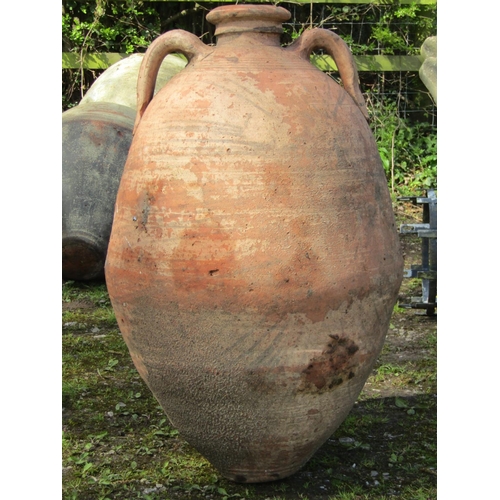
(253, 263)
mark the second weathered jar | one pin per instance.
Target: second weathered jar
(96, 137)
(253, 263)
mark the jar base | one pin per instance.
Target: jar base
(83, 257)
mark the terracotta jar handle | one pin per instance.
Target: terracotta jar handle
(318, 38)
(175, 41)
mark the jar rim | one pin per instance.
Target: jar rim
(250, 17)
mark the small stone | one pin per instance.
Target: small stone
(344, 440)
(95, 329)
(374, 473)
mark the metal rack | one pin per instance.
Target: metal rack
(427, 270)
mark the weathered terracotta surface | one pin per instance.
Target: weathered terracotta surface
(253, 263)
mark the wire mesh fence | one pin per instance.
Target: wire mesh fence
(376, 29)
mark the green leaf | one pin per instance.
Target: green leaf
(401, 403)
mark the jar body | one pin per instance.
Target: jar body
(95, 141)
(118, 84)
(254, 263)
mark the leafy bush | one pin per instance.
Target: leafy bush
(408, 151)
(125, 26)
(371, 28)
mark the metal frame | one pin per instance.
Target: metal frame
(427, 270)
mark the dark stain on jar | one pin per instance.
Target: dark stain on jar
(146, 201)
(336, 364)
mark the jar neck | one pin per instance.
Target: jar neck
(249, 38)
(253, 24)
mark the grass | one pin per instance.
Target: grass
(118, 444)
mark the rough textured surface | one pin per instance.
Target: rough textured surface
(428, 70)
(254, 263)
(118, 84)
(96, 139)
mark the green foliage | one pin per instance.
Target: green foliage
(109, 25)
(408, 151)
(376, 29)
(92, 292)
